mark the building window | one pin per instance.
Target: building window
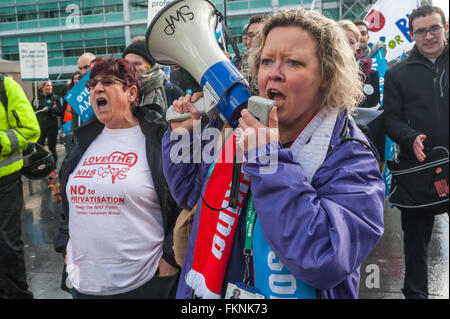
(137, 5)
(26, 13)
(98, 50)
(113, 8)
(354, 9)
(7, 14)
(11, 56)
(48, 14)
(92, 11)
(7, 18)
(116, 49)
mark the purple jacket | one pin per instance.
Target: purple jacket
(321, 231)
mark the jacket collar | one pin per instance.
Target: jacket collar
(45, 96)
(341, 129)
(417, 57)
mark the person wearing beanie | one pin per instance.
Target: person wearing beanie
(149, 73)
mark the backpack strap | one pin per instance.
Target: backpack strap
(345, 136)
(3, 96)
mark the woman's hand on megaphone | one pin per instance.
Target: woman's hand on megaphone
(185, 105)
(254, 133)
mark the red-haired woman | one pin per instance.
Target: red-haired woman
(118, 214)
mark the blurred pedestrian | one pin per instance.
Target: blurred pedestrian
(67, 109)
(309, 218)
(184, 80)
(137, 54)
(416, 103)
(84, 66)
(244, 35)
(364, 39)
(84, 62)
(18, 127)
(150, 75)
(119, 242)
(47, 111)
(371, 88)
(253, 27)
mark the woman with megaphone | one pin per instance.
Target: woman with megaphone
(302, 229)
(118, 214)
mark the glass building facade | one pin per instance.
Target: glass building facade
(105, 27)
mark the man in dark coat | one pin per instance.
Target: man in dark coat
(416, 98)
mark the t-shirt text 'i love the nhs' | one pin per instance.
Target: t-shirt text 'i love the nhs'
(116, 165)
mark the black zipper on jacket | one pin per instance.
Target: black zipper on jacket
(19, 124)
(436, 94)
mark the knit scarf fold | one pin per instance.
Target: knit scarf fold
(152, 87)
(216, 228)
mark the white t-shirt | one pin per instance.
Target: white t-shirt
(116, 232)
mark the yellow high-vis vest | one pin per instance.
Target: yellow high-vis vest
(18, 126)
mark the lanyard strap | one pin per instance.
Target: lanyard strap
(249, 225)
(250, 217)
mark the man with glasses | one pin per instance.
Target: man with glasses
(84, 65)
(253, 27)
(416, 100)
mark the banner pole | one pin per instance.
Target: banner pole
(36, 100)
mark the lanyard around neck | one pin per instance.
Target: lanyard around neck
(250, 218)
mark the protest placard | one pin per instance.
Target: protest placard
(33, 61)
(388, 22)
(78, 98)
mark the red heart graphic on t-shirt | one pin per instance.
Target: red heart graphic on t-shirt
(118, 158)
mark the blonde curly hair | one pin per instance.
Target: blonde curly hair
(338, 65)
(350, 26)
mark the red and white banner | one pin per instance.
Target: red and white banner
(388, 22)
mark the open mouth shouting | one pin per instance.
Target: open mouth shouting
(101, 103)
(277, 96)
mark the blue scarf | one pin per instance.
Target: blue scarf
(272, 278)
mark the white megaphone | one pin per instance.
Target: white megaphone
(183, 33)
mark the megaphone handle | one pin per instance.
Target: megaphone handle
(172, 115)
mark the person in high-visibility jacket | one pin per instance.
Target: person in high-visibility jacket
(18, 127)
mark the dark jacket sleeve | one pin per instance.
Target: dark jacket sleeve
(56, 109)
(372, 99)
(395, 122)
(171, 211)
(73, 153)
(62, 237)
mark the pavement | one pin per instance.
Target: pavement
(381, 273)
(40, 220)
(387, 261)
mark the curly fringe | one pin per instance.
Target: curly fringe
(338, 65)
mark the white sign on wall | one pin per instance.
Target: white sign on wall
(33, 61)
